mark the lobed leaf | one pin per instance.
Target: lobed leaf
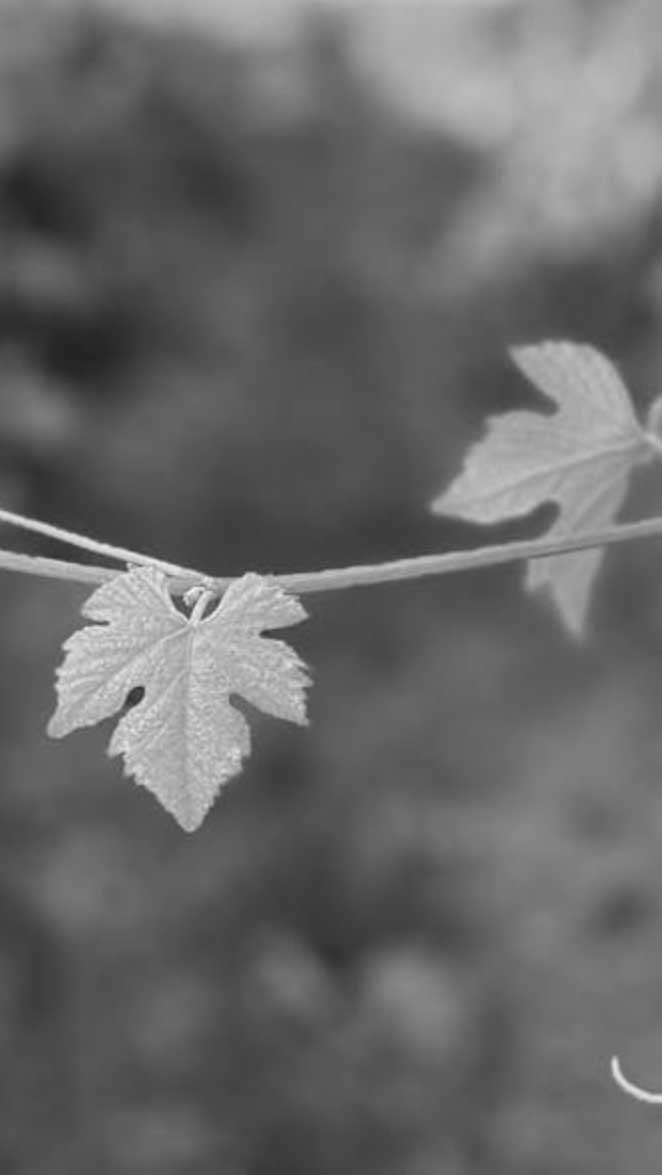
(184, 739)
(580, 457)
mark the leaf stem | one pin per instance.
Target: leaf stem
(335, 579)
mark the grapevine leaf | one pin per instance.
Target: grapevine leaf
(581, 457)
(183, 739)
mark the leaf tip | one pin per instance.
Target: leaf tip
(189, 823)
(56, 727)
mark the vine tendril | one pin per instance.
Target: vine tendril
(635, 1091)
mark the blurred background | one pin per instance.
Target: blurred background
(260, 265)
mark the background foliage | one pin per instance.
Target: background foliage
(253, 306)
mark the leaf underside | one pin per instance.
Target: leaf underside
(580, 457)
(183, 740)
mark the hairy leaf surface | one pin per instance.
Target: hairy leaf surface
(581, 457)
(183, 739)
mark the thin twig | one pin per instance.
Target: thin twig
(335, 579)
(72, 539)
(55, 568)
(471, 560)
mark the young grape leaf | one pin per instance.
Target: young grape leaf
(183, 739)
(580, 457)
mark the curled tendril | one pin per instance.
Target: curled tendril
(635, 1091)
(197, 598)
